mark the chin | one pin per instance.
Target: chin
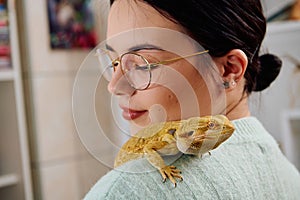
(139, 123)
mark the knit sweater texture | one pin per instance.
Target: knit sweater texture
(249, 165)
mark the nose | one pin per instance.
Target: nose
(119, 85)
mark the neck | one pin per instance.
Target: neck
(238, 109)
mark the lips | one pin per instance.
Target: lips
(130, 114)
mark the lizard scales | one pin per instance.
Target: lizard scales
(195, 136)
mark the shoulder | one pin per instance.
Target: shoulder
(211, 177)
(248, 165)
(138, 179)
(124, 181)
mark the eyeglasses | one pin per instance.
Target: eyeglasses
(136, 68)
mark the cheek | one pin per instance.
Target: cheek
(198, 101)
(162, 104)
(185, 93)
(172, 106)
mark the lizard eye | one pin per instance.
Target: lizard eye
(211, 125)
(190, 133)
(172, 131)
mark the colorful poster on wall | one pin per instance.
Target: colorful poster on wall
(71, 24)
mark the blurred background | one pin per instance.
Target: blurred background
(43, 43)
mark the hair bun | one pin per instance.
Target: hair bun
(270, 66)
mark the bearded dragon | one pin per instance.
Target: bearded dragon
(195, 136)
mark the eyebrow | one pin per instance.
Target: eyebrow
(144, 46)
(137, 47)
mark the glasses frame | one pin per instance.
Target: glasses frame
(117, 62)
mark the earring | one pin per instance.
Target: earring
(233, 83)
(227, 84)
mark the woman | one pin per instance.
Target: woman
(249, 165)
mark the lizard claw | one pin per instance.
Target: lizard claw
(171, 173)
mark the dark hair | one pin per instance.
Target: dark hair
(223, 25)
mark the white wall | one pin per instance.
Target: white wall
(271, 105)
(271, 7)
(62, 167)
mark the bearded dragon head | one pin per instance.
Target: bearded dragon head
(199, 135)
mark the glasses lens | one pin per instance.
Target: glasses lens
(105, 63)
(136, 69)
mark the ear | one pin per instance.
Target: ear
(232, 66)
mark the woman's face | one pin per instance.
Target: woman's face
(177, 91)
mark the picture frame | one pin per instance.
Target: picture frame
(71, 24)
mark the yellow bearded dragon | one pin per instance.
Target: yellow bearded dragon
(195, 136)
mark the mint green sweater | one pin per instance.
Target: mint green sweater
(249, 165)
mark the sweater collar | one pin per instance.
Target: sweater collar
(249, 129)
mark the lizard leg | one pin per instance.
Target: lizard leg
(201, 155)
(170, 172)
(156, 160)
